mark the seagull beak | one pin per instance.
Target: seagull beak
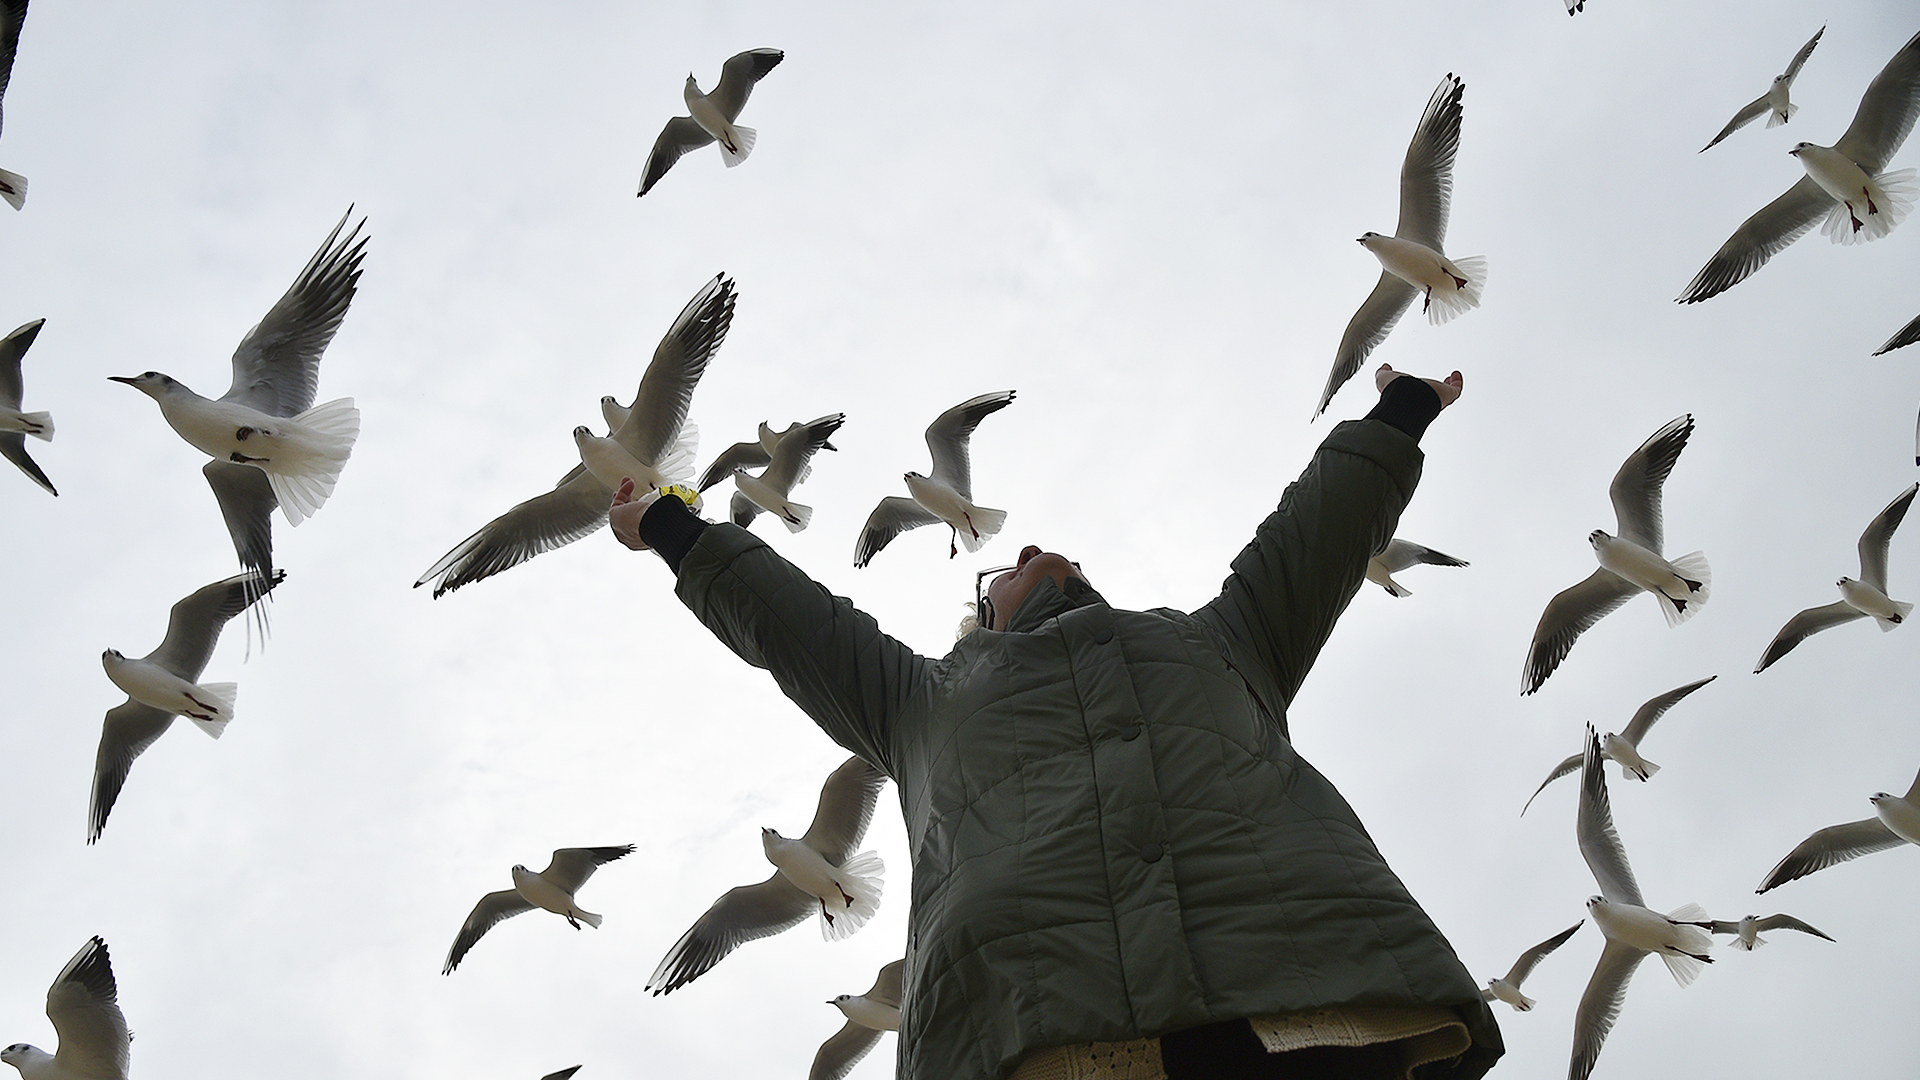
(122, 378)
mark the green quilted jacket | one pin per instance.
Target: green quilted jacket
(1112, 836)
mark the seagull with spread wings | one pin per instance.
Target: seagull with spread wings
(1775, 103)
(655, 439)
(1632, 930)
(868, 1016)
(1746, 929)
(1411, 259)
(819, 872)
(787, 466)
(1399, 555)
(1896, 821)
(551, 889)
(1844, 184)
(270, 444)
(84, 1005)
(1630, 563)
(16, 425)
(1858, 599)
(1624, 749)
(1507, 987)
(163, 684)
(944, 497)
(710, 116)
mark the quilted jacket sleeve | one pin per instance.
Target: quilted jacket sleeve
(830, 657)
(1309, 557)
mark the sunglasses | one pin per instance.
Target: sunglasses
(983, 607)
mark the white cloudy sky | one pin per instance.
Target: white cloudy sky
(1141, 217)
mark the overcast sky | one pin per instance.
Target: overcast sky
(1139, 217)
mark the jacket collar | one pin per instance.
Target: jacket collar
(1047, 600)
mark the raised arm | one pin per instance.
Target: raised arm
(830, 657)
(1307, 559)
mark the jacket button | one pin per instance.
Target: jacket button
(1133, 732)
(1151, 853)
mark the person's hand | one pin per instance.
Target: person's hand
(623, 517)
(1449, 388)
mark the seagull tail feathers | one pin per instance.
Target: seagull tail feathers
(677, 467)
(1741, 943)
(1900, 608)
(987, 523)
(1645, 772)
(1775, 118)
(1692, 568)
(13, 188)
(1445, 305)
(588, 917)
(860, 877)
(1394, 588)
(308, 461)
(37, 424)
(795, 515)
(1691, 943)
(1890, 194)
(221, 695)
(744, 138)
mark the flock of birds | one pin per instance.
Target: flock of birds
(270, 445)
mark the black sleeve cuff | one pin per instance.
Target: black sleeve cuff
(1409, 404)
(670, 527)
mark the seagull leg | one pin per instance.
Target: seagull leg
(953, 545)
(1871, 208)
(1458, 282)
(1855, 218)
(211, 710)
(843, 894)
(573, 922)
(825, 914)
(1426, 299)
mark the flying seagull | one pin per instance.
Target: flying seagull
(1844, 183)
(1507, 987)
(655, 436)
(13, 13)
(788, 465)
(712, 115)
(947, 495)
(1624, 748)
(1901, 338)
(1630, 563)
(15, 425)
(271, 446)
(83, 1004)
(1896, 821)
(1399, 555)
(819, 872)
(1774, 103)
(1632, 930)
(1746, 930)
(1412, 259)
(552, 889)
(868, 1015)
(1858, 599)
(164, 684)
(746, 455)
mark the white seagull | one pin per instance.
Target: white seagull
(655, 442)
(1624, 749)
(747, 455)
(1746, 930)
(1901, 338)
(816, 873)
(1507, 987)
(16, 425)
(1399, 555)
(83, 1004)
(164, 684)
(1775, 103)
(712, 115)
(788, 465)
(947, 495)
(13, 14)
(1844, 183)
(1412, 259)
(868, 1015)
(552, 889)
(1896, 821)
(270, 444)
(1632, 930)
(1630, 563)
(1858, 599)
